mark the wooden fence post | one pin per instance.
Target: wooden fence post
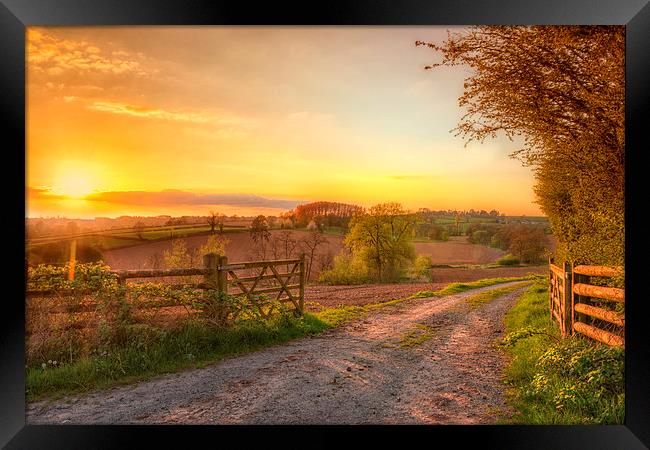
(301, 299)
(211, 263)
(579, 317)
(550, 289)
(222, 275)
(567, 304)
(574, 280)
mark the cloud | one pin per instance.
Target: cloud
(178, 197)
(163, 114)
(42, 193)
(49, 54)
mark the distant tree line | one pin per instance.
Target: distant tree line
(331, 214)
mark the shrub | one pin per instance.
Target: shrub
(214, 244)
(421, 268)
(347, 270)
(508, 260)
(481, 237)
(178, 257)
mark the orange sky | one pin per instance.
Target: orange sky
(248, 120)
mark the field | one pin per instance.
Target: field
(108, 240)
(458, 251)
(240, 248)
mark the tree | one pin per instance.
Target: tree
(311, 242)
(260, 234)
(138, 228)
(562, 89)
(528, 243)
(215, 220)
(287, 243)
(383, 239)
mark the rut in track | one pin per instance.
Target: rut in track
(425, 361)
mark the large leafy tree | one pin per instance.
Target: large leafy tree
(383, 239)
(561, 89)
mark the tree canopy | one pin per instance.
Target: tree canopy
(383, 239)
(561, 89)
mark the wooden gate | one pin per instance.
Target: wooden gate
(255, 280)
(573, 302)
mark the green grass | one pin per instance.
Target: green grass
(343, 314)
(477, 300)
(456, 288)
(193, 345)
(334, 317)
(554, 380)
(417, 336)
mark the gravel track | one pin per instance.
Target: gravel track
(425, 361)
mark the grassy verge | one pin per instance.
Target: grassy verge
(456, 288)
(342, 314)
(477, 300)
(193, 345)
(558, 381)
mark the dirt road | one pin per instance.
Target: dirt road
(426, 361)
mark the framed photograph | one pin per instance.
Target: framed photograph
(370, 214)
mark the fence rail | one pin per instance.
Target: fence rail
(260, 277)
(572, 298)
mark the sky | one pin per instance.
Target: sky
(252, 120)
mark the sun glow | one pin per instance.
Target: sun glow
(76, 179)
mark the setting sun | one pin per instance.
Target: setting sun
(75, 179)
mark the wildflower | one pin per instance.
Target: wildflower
(44, 365)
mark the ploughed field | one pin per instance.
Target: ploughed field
(457, 250)
(319, 296)
(241, 248)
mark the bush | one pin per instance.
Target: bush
(347, 270)
(481, 237)
(59, 253)
(508, 260)
(421, 268)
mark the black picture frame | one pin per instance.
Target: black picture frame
(15, 15)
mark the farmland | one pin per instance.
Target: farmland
(456, 251)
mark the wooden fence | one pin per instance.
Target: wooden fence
(254, 280)
(573, 299)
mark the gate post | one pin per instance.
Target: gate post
(210, 262)
(567, 304)
(222, 276)
(550, 289)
